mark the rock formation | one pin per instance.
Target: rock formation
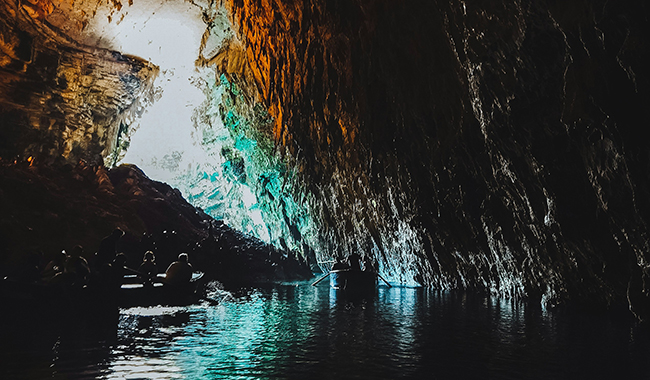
(49, 209)
(60, 99)
(493, 146)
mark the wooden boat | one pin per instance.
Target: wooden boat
(95, 301)
(134, 292)
(351, 281)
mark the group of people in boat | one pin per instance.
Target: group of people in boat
(106, 268)
(353, 263)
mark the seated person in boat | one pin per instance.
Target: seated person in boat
(353, 259)
(368, 265)
(148, 269)
(107, 249)
(179, 272)
(55, 266)
(76, 270)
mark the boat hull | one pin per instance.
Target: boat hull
(157, 295)
(360, 282)
(97, 299)
(134, 293)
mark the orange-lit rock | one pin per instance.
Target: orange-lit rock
(61, 98)
(38, 8)
(486, 141)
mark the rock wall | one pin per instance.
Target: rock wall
(60, 99)
(494, 145)
(47, 209)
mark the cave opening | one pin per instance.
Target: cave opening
(129, 96)
(199, 134)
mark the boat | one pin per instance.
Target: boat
(353, 281)
(133, 292)
(69, 302)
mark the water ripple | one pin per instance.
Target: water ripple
(290, 332)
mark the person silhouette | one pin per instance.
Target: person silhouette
(148, 269)
(179, 272)
(108, 248)
(353, 260)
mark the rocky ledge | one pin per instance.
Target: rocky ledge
(48, 209)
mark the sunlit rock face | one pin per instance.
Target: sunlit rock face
(61, 99)
(47, 210)
(78, 80)
(493, 146)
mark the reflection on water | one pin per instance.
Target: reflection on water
(298, 331)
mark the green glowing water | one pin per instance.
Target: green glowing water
(297, 331)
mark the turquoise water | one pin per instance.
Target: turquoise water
(297, 331)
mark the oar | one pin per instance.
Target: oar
(389, 285)
(321, 279)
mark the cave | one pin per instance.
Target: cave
(494, 149)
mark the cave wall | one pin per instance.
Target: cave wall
(61, 100)
(496, 145)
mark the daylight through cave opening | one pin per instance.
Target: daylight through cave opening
(202, 135)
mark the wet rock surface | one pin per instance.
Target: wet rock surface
(62, 100)
(492, 146)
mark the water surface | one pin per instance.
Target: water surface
(297, 331)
